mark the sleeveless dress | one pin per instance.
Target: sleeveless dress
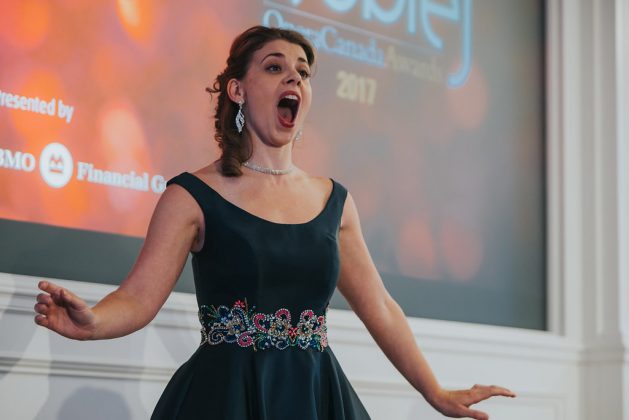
(263, 289)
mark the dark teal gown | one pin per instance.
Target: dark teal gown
(271, 367)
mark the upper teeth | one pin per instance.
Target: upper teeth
(293, 97)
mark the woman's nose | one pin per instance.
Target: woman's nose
(293, 77)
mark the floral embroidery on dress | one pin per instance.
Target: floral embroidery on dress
(242, 325)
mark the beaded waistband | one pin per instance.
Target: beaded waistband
(248, 328)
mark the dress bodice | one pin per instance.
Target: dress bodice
(272, 265)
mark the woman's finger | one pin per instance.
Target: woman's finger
(500, 391)
(49, 287)
(63, 297)
(475, 414)
(41, 320)
(42, 308)
(53, 290)
(482, 392)
(71, 300)
(44, 298)
(493, 390)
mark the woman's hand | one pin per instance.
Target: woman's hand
(63, 312)
(457, 403)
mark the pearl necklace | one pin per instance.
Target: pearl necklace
(267, 170)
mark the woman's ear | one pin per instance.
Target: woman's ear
(235, 91)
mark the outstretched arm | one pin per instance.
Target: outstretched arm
(171, 234)
(361, 284)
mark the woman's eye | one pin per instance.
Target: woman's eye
(304, 74)
(274, 68)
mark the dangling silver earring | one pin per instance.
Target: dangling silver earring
(298, 135)
(240, 117)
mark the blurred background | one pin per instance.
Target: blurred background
(431, 113)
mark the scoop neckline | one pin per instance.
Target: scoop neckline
(246, 212)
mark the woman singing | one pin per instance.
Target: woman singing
(270, 243)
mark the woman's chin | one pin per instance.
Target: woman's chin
(279, 138)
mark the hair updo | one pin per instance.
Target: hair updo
(235, 147)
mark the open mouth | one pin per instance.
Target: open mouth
(287, 107)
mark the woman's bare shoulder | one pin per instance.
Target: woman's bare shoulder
(211, 171)
(320, 182)
(213, 176)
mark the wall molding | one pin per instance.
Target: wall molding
(18, 294)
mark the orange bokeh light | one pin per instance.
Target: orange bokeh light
(137, 18)
(462, 249)
(416, 249)
(25, 23)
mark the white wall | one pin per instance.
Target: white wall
(578, 371)
(45, 376)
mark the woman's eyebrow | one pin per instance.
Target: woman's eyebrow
(275, 54)
(280, 55)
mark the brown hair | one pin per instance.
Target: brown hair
(236, 148)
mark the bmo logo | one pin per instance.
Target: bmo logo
(55, 165)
